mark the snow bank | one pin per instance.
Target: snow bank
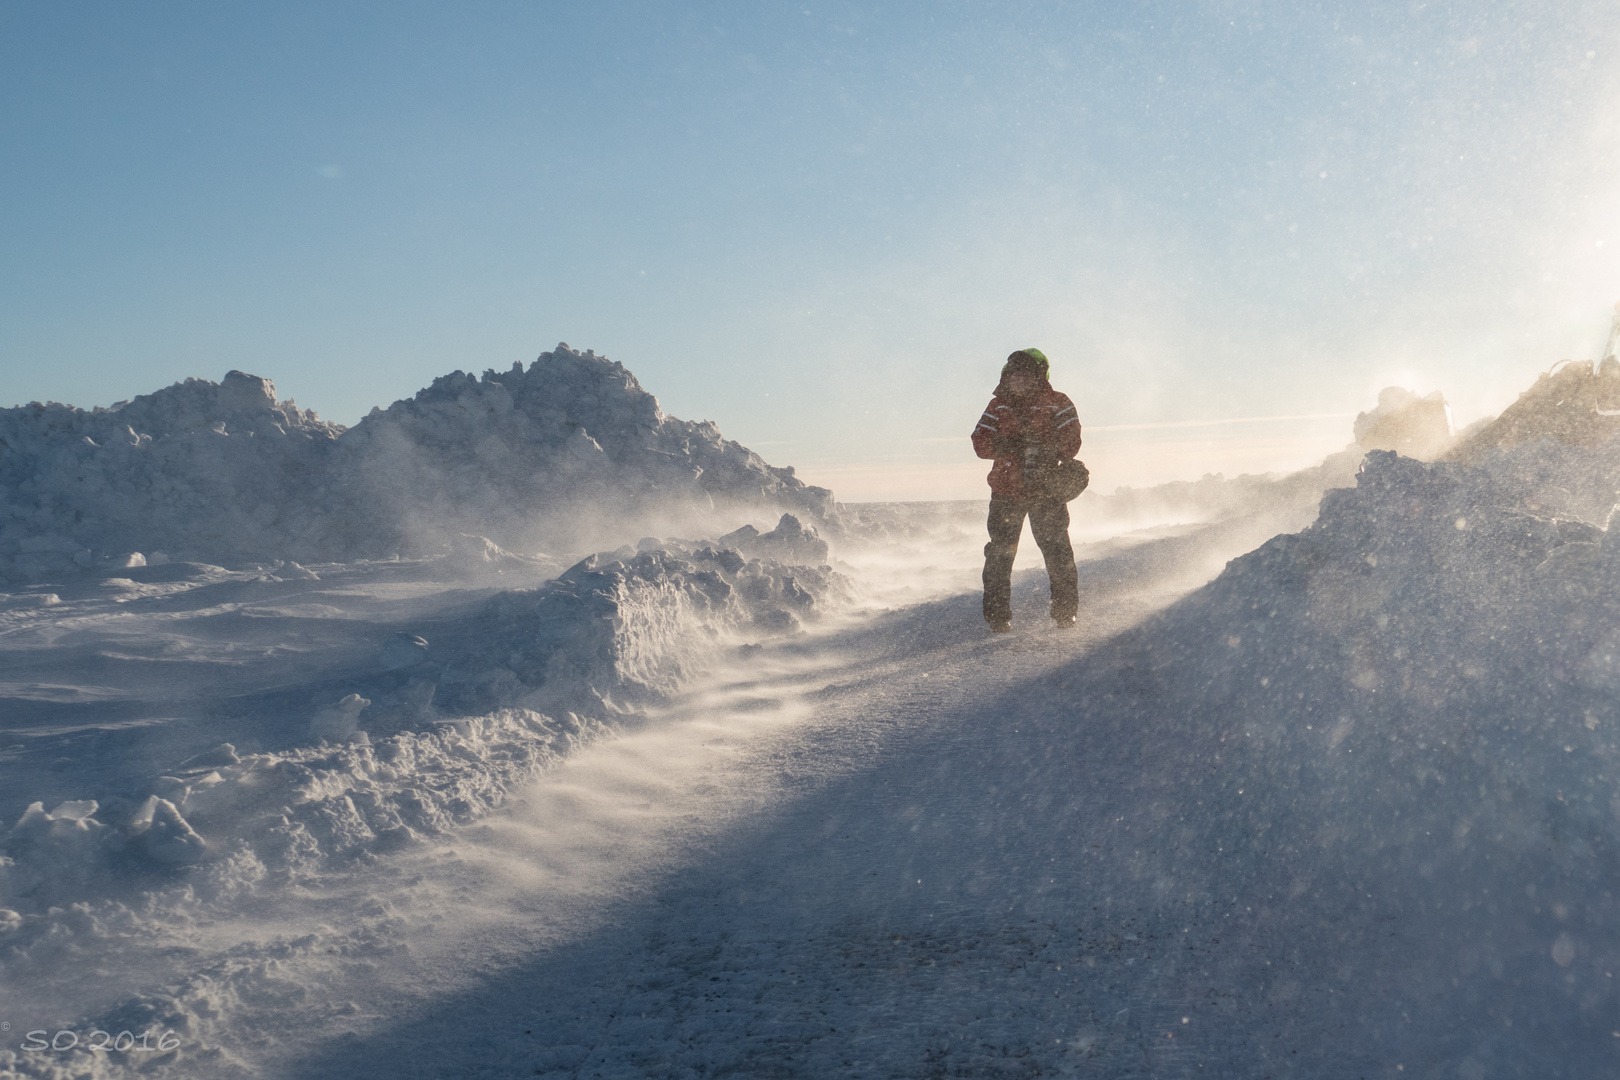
(1418, 427)
(1429, 561)
(1405, 712)
(200, 467)
(439, 734)
(495, 696)
(553, 455)
(1558, 445)
(286, 814)
(624, 628)
(560, 455)
(1577, 404)
(431, 731)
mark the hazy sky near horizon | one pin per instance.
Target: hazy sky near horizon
(821, 225)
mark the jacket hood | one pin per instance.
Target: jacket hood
(1031, 360)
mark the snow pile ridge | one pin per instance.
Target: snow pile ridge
(196, 466)
(564, 454)
(625, 628)
(499, 695)
(1416, 567)
(1392, 741)
(435, 735)
(1576, 404)
(1411, 704)
(575, 436)
(1419, 427)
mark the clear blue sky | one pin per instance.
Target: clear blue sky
(821, 225)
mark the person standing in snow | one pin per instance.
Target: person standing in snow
(1026, 425)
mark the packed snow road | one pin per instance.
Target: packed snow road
(782, 878)
(827, 870)
(842, 856)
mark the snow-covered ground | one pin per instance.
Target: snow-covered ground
(333, 883)
(1316, 792)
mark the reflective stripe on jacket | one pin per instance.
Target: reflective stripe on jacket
(1045, 415)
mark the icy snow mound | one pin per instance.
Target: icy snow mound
(1431, 590)
(272, 822)
(1418, 427)
(1576, 405)
(478, 705)
(494, 698)
(284, 813)
(1430, 561)
(790, 542)
(624, 628)
(197, 467)
(437, 738)
(552, 455)
(469, 556)
(561, 455)
(1558, 446)
(1410, 711)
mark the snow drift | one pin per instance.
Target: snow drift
(446, 718)
(482, 701)
(556, 455)
(559, 456)
(217, 470)
(1404, 734)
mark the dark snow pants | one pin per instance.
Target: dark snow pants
(1049, 521)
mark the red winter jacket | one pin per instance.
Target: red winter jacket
(1009, 423)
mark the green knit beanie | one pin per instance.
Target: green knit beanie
(1031, 356)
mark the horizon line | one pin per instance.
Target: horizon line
(1181, 424)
